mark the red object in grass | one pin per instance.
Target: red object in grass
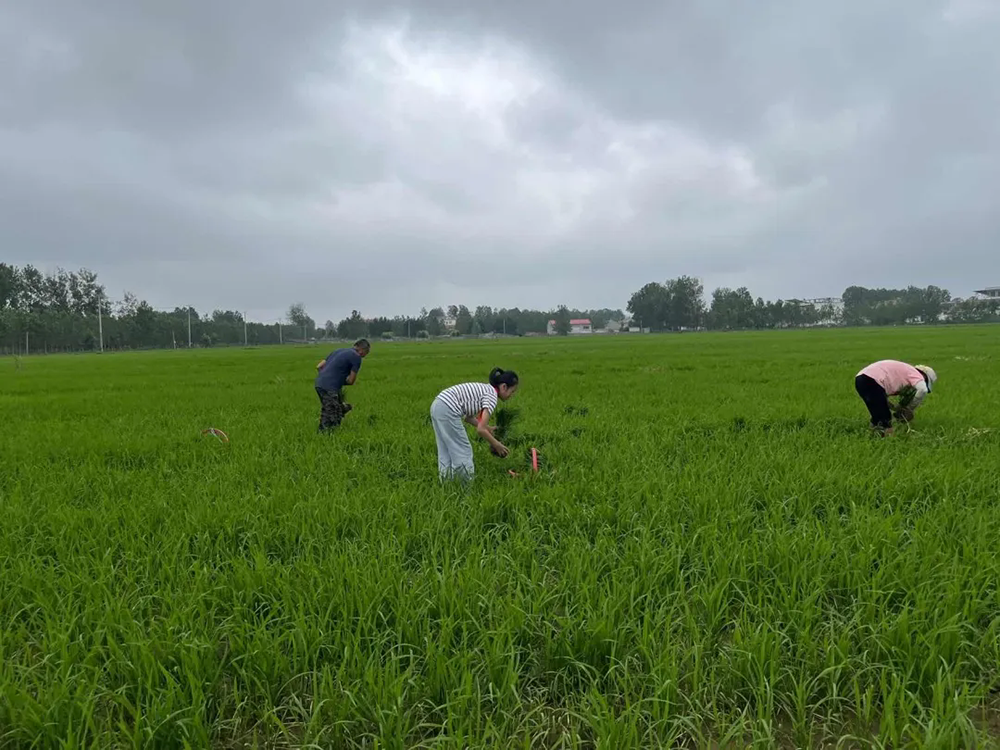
(533, 454)
(223, 437)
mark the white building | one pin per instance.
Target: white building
(614, 326)
(835, 305)
(818, 303)
(990, 292)
(577, 326)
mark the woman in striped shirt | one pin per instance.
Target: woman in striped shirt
(472, 403)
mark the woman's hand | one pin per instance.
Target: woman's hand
(485, 431)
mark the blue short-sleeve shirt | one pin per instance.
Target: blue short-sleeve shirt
(339, 365)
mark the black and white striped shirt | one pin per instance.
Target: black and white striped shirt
(469, 399)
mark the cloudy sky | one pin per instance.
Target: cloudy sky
(387, 156)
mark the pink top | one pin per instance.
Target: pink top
(894, 376)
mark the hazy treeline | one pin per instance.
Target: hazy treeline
(66, 311)
(69, 311)
(60, 312)
(680, 304)
(465, 321)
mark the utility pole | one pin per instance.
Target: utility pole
(189, 326)
(280, 338)
(26, 350)
(100, 322)
(244, 329)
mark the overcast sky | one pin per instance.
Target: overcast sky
(387, 156)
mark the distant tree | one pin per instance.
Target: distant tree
(864, 306)
(929, 303)
(463, 321)
(298, 317)
(10, 287)
(128, 305)
(732, 309)
(484, 318)
(648, 306)
(562, 319)
(685, 303)
(380, 325)
(32, 288)
(354, 327)
(74, 291)
(434, 322)
(974, 310)
(600, 318)
(56, 291)
(141, 324)
(508, 321)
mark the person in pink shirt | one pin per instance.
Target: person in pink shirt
(888, 377)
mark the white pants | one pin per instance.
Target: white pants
(454, 448)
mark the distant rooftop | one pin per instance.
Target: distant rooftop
(988, 290)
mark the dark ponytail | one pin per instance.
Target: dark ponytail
(499, 376)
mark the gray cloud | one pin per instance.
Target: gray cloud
(234, 155)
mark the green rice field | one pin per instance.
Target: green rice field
(715, 553)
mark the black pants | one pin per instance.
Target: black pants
(875, 399)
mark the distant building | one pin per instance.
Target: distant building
(835, 306)
(990, 292)
(577, 326)
(613, 326)
(818, 303)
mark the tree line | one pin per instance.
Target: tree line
(460, 320)
(679, 304)
(70, 311)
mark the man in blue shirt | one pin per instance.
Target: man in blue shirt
(336, 371)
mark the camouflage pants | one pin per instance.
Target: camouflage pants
(332, 409)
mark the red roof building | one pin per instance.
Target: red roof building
(576, 326)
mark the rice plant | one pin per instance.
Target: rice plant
(716, 555)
